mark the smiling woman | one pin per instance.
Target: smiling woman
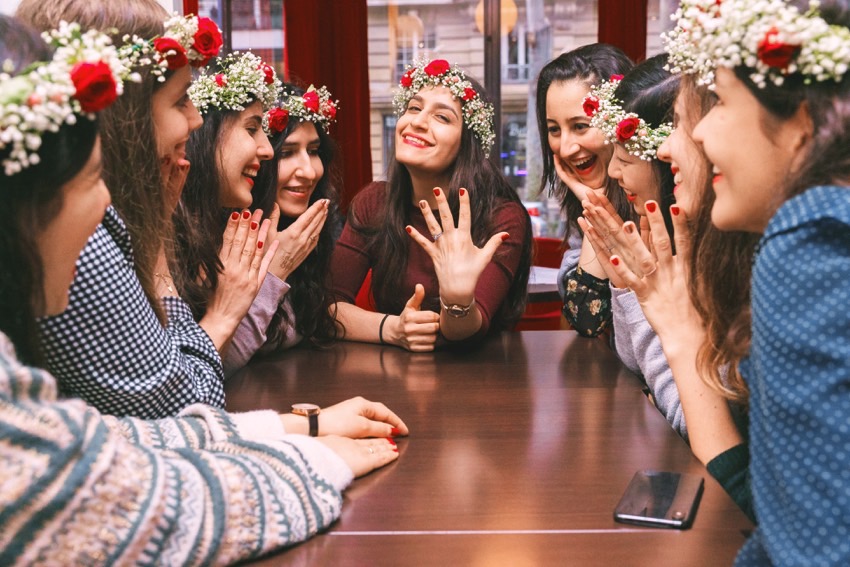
(454, 285)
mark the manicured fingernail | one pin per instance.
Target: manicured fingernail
(408, 229)
(254, 225)
(629, 227)
(650, 206)
(234, 216)
(423, 204)
(675, 210)
(505, 237)
(462, 192)
(392, 442)
(246, 215)
(437, 191)
(394, 432)
(260, 245)
(615, 260)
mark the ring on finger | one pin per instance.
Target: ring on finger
(247, 252)
(313, 238)
(371, 450)
(652, 271)
(436, 236)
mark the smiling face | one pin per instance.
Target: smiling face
(750, 167)
(174, 117)
(580, 148)
(84, 202)
(686, 159)
(428, 133)
(242, 145)
(299, 170)
(635, 176)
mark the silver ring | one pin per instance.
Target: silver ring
(371, 450)
(437, 236)
(647, 274)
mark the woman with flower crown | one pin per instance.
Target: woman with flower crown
(80, 487)
(451, 283)
(128, 344)
(779, 71)
(575, 159)
(298, 186)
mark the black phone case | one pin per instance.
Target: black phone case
(660, 499)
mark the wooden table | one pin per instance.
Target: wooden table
(518, 453)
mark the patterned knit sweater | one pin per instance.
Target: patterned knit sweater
(205, 488)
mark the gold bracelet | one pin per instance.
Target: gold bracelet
(166, 279)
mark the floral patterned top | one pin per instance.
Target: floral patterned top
(587, 302)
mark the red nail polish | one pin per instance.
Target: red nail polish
(260, 245)
(390, 439)
(408, 229)
(254, 225)
(394, 432)
(650, 206)
(234, 216)
(675, 210)
(437, 191)
(505, 237)
(462, 192)
(615, 261)
(246, 215)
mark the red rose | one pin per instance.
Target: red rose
(95, 85)
(268, 72)
(590, 105)
(278, 119)
(469, 94)
(627, 128)
(407, 78)
(221, 80)
(329, 110)
(311, 101)
(177, 58)
(437, 67)
(775, 53)
(616, 77)
(208, 41)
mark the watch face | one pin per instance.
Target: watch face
(305, 409)
(456, 311)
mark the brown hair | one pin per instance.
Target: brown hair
(131, 167)
(722, 264)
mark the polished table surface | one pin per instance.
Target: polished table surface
(518, 453)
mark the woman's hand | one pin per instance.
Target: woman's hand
(600, 225)
(175, 170)
(245, 260)
(573, 183)
(355, 418)
(458, 262)
(362, 455)
(298, 240)
(414, 330)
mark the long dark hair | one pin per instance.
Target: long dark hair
(131, 166)
(589, 64)
(311, 299)
(31, 199)
(488, 190)
(649, 91)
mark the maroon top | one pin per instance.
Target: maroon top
(352, 259)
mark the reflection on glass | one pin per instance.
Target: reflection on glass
(254, 24)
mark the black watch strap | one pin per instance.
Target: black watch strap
(314, 424)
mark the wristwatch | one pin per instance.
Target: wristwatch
(311, 412)
(457, 311)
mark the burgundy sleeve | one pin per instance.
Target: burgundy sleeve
(350, 260)
(497, 277)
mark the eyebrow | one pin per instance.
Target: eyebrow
(255, 119)
(313, 142)
(441, 105)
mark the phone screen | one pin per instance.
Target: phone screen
(660, 499)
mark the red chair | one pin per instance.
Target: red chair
(544, 315)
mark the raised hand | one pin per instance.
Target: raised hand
(174, 174)
(414, 329)
(458, 262)
(576, 186)
(298, 240)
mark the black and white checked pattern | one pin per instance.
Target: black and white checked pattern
(109, 348)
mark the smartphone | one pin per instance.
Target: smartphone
(660, 499)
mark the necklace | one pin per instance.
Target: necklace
(166, 279)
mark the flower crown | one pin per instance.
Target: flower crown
(242, 78)
(477, 114)
(314, 106)
(770, 37)
(84, 76)
(627, 128)
(188, 40)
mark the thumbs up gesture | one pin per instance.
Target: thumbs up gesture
(414, 330)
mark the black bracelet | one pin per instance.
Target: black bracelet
(381, 329)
